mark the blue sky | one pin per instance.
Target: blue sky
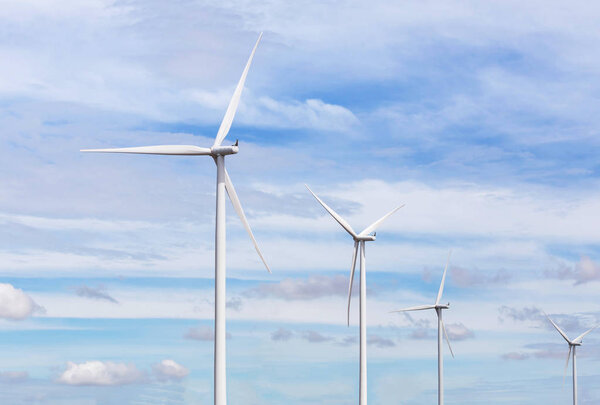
(480, 117)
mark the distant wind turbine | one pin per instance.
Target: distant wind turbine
(441, 329)
(218, 153)
(572, 348)
(368, 234)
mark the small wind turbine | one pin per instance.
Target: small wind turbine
(218, 153)
(572, 348)
(368, 234)
(441, 328)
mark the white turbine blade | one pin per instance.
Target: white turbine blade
(567, 365)
(447, 340)
(559, 330)
(235, 201)
(417, 308)
(352, 278)
(578, 338)
(375, 225)
(235, 100)
(335, 215)
(441, 290)
(157, 150)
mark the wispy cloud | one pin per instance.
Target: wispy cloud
(302, 289)
(282, 335)
(585, 271)
(203, 333)
(98, 293)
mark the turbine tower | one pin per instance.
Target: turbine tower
(218, 153)
(368, 234)
(572, 349)
(441, 329)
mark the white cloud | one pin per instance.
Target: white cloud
(100, 373)
(169, 370)
(14, 303)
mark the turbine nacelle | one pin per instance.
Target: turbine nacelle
(224, 150)
(441, 306)
(364, 238)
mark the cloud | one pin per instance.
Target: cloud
(585, 271)
(463, 277)
(203, 333)
(315, 337)
(98, 293)
(525, 314)
(298, 289)
(379, 341)
(348, 341)
(169, 370)
(422, 327)
(15, 304)
(282, 335)
(100, 373)
(14, 376)
(234, 303)
(515, 356)
(458, 331)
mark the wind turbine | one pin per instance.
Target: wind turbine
(572, 348)
(441, 329)
(367, 235)
(218, 153)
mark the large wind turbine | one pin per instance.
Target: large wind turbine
(368, 234)
(218, 153)
(441, 329)
(572, 348)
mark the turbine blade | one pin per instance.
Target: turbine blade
(447, 340)
(352, 278)
(559, 330)
(157, 150)
(417, 308)
(578, 338)
(567, 365)
(441, 290)
(235, 201)
(375, 225)
(335, 215)
(235, 100)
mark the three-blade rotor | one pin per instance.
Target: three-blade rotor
(435, 306)
(363, 236)
(575, 342)
(216, 150)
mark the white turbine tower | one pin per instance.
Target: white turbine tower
(218, 153)
(441, 329)
(572, 348)
(368, 234)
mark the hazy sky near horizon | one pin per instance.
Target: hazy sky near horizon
(481, 117)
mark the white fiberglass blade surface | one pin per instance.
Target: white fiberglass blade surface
(375, 225)
(578, 338)
(447, 339)
(441, 290)
(354, 254)
(235, 201)
(417, 308)
(567, 365)
(157, 150)
(559, 330)
(235, 100)
(335, 215)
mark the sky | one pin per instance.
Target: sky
(480, 117)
